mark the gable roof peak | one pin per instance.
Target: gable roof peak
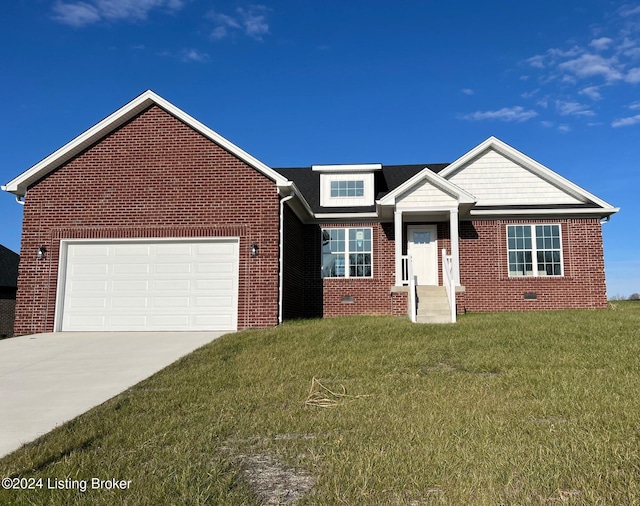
(19, 185)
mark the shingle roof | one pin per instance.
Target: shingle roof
(8, 267)
(386, 180)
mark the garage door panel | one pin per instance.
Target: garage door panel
(214, 302)
(128, 249)
(89, 322)
(173, 268)
(89, 285)
(213, 284)
(214, 321)
(129, 302)
(172, 284)
(165, 285)
(129, 322)
(95, 252)
(130, 269)
(89, 302)
(131, 285)
(170, 302)
(174, 250)
(90, 268)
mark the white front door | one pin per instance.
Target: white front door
(422, 246)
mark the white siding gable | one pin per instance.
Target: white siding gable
(497, 180)
(425, 194)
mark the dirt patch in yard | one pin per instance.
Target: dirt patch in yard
(274, 482)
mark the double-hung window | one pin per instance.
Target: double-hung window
(346, 253)
(534, 250)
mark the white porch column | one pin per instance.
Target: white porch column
(397, 229)
(455, 244)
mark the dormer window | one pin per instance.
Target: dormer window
(347, 188)
(347, 185)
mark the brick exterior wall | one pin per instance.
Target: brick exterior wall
(370, 295)
(152, 177)
(483, 272)
(484, 269)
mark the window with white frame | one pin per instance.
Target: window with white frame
(346, 253)
(347, 188)
(534, 250)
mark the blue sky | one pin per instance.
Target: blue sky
(301, 83)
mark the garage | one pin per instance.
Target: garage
(148, 285)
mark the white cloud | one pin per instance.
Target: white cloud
(537, 61)
(467, 91)
(634, 106)
(601, 44)
(588, 65)
(251, 21)
(633, 76)
(193, 55)
(631, 120)
(86, 13)
(564, 128)
(573, 109)
(628, 10)
(609, 59)
(593, 92)
(78, 14)
(509, 114)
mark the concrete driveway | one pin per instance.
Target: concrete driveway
(49, 379)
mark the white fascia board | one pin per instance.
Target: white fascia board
(544, 212)
(343, 216)
(463, 196)
(19, 185)
(534, 166)
(290, 188)
(361, 167)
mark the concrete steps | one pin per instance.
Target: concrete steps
(433, 304)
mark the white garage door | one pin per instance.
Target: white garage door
(149, 285)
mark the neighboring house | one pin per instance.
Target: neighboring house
(8, 287)
(149, 220)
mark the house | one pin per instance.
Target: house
(150, 220)
(8, 287)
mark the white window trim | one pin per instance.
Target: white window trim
(326, 200)
(534, 250)
(347, 253)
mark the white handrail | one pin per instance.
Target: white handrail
(448, 280)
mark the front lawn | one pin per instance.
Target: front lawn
(511, 408)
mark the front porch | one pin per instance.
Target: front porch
(423, 268)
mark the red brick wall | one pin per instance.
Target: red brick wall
(484, 272)
(484, 269)
(153, 177)
(370, 295)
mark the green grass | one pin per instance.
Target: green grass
(511, 408)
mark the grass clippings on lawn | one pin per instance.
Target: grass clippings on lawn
(517, 408)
